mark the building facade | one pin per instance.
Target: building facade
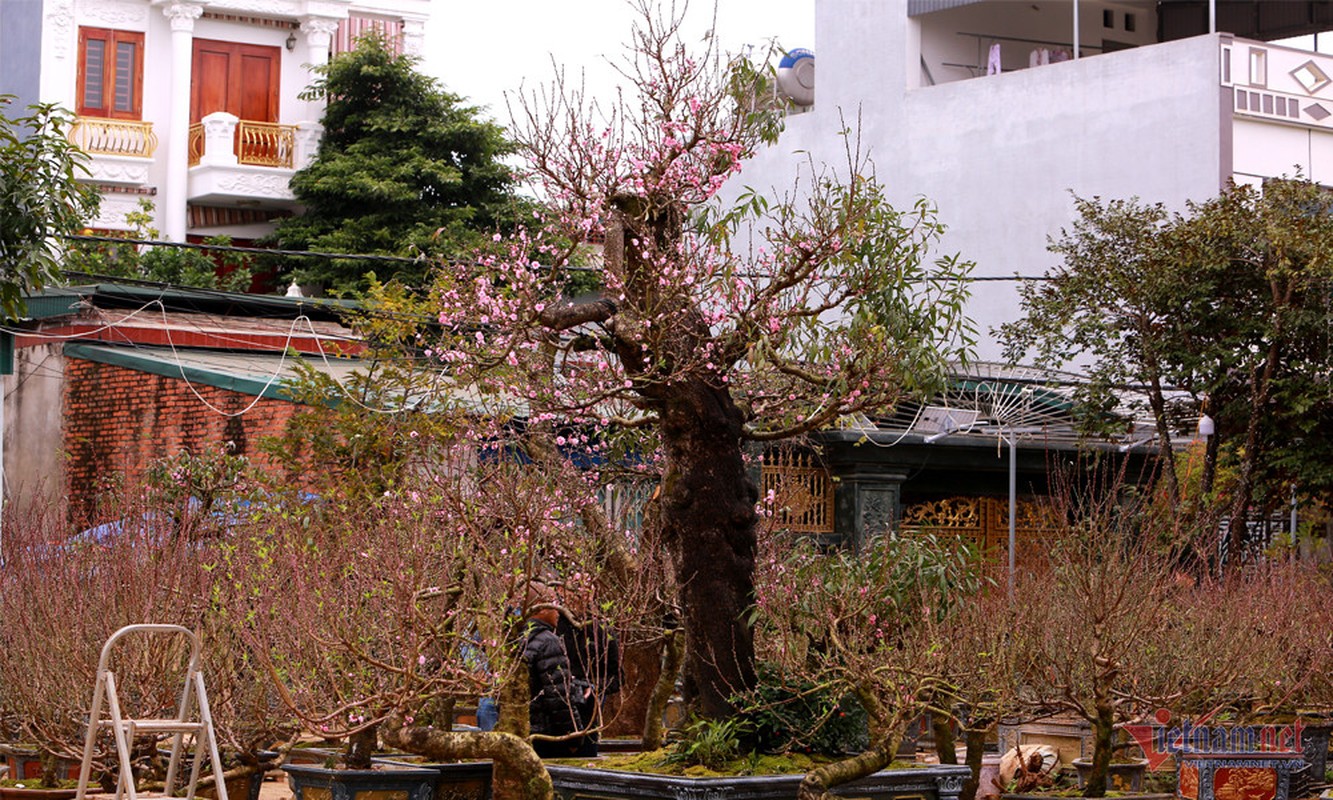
(1001, 112)
(193, 105)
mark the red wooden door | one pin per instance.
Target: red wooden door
(241, 79)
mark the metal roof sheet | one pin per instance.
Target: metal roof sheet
(259, 374)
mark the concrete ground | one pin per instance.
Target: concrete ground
(275, 787)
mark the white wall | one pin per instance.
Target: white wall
(999, 155)
(33, 424)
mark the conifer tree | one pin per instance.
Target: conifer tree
(404, 168)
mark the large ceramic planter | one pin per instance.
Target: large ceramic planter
(16, 793)
(1120, 776)
(309, 782)
(990, 770)
(583, 783)
(243, 787)
(468, 780)
(313, 756)
(1065, 796)
(1314, 747)
(25, 763)
(1253, 776)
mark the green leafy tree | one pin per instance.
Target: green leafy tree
(40, 199)
(180, 266)
(1228, 302)
(405, 168)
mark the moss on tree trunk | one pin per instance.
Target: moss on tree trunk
(941, 730)
(708, 527)
(514, 701)
(361, 748)
(1103, 731)
(518, 773)
(673, 657)
(976, 749)
(818, 784)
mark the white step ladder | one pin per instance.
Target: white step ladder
(192, 717)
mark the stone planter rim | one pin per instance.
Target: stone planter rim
(1138, 762)
(943, 782)
(315, 771)
(1119, 796)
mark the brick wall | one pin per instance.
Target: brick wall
(118, 420)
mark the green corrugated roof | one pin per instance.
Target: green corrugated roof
(59, 300)
(54, 302)
(256, 374)
(259, 374)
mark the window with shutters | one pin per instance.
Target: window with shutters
(110, 74)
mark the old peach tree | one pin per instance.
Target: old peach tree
(716, 325)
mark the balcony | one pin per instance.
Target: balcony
(121, 150)
(243, 162)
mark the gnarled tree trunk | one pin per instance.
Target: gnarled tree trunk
(673, 657)
(708, 527)
(518, 773)
(818, 784)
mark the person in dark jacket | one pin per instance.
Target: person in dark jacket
(551, 711)
(594, 663)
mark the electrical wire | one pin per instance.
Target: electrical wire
(291, 332)
(181, 366)
(376, 257)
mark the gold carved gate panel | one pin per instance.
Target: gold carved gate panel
(984, 521)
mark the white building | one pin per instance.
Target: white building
(191, 103)
(998, 110)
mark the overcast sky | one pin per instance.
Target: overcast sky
(484, 48)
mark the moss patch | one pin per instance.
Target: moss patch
(36, 783)
(655, 762)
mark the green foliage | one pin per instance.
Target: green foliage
(404, 168)
(191, 485)
(752, 84)
(1229, 302)
(369, 429)
(709, 743)
(179, 266)
(803, 717)
(40, 199)
(205, 476)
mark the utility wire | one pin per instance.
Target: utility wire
(227, 248)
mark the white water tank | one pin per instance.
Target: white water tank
(796, 76)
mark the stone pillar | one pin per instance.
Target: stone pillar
(219, 140)
(174, 202)
(308, 135)
(318, 33)
(318, 36)
(867, 502)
